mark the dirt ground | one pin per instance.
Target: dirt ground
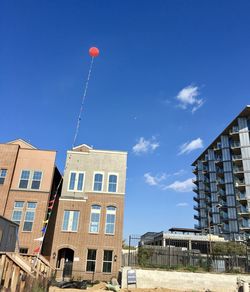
(101, 287)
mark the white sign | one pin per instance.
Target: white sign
(76, 259)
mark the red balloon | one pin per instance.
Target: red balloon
(94, 52)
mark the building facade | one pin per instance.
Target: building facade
(8, 235)
(223, 182)
(87, 241)
(28, 178)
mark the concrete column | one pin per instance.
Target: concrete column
(164, 242)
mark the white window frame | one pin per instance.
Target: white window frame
(30, 179)
(117, 182)
(103, 178)
(70, 218)
(27, 209)
(75, 190)
(18, 209)
(103, 261)
(110, 212)
(99, 211)
(91, 260)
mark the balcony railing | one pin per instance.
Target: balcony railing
(235, 144)
(237, 157)
(234, 130)
(239, 182)
(238, 169)
(244, 210)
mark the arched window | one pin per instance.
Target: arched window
(98, 182)
(95, 219)
(110, 220)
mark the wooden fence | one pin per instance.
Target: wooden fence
(20, 273)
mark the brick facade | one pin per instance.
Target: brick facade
(80, 241)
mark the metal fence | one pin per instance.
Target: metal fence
(180, 258)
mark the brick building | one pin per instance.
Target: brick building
(28, 178)
(87, 240)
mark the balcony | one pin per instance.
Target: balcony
(235, 144)
(195, 181)
(238, 169)
(224, 217)
(234, 130)
(219, 171)
(195, 170)
(197, 226)
(217, 147)
(239, 183)
(243, 211)
(196, 217)
(196, 199)
(236, 157)
(196, 190)
(196, 208)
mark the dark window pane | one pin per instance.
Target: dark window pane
(108, 255)
(35, 185)
(90, 266)
(92, 254)
(107, 267)
(1, 180)
(23, 184)
(27, 226)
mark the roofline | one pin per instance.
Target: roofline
(8, 220)
(241, 114)
(32, 146)
(97, 151)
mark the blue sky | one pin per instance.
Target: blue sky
(170, 76)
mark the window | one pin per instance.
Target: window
(3, 173)
(24, 181)
(110, 220)
(29, 216)
(112, 183)
(70, 221)
(76, 181)
(37, 175)
(95, 219)
(98, 182)
(91, 258)
(17, 212)
(23, 250)
(107, 261)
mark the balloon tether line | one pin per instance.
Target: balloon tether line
(82, 104)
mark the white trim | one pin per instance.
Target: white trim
(93, 181)
(117, 175)
(98, 151)
(70, 223)
(110, 212)
(31, 171)
(75, 190)
(82, 145)
(98, 212)
(73, 200)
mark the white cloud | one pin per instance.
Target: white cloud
(180, 172)
(181, 186)
(184, 204)
(154, 180)
(188, 97)
(144, 146)
(191, 146)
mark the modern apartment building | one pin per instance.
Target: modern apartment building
(87, 240)
(28, 178)
(223, 182)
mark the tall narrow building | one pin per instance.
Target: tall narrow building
(223, 182)
(28, 179)
(88, 233)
